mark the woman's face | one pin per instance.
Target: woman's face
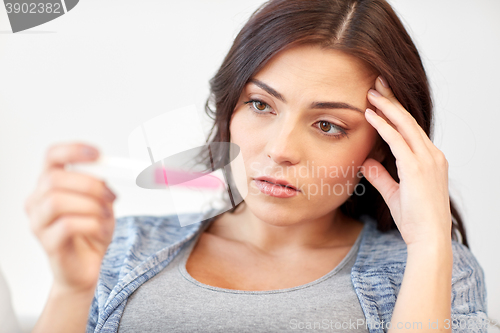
(294, 122)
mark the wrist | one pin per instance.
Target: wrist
(434, 256)
(431, 239)
(435, 244)
(58, 291)
(66, 310)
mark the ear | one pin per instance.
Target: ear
(378, 151)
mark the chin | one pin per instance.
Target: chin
(272, 213)
(276, 220)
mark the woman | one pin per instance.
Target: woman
(311, 85)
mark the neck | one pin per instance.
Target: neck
(332, 230)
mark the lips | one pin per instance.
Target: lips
(275, 181)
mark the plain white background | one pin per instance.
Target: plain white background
(99, 71)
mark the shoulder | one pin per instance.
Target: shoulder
(136, 238)
(468, 294)
(138, 245)
(380, 250)
(465, 264)
(381, 263)
(151, 230)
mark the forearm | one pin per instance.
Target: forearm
(65, 312)
(424, 300)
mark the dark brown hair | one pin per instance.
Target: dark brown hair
(367, 29)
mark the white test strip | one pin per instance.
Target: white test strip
(112, 168)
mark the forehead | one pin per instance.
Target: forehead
(316, 70)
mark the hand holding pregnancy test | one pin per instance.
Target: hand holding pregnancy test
(126, 169)
(209, 179)
(180, 172)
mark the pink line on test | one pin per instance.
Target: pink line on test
(184, 178)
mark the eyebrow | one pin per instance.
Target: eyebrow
(314, 105)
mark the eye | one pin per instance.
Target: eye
(258, 106)
(326, 126)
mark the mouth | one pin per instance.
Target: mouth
(278, 182)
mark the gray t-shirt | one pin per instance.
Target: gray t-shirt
(173, 301)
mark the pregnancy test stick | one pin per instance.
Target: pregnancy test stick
(110, 167)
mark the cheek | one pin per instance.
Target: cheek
(245, 129)
(343, 163)
(362, 143)
(238, 127)
(339, 170)
(245, 133)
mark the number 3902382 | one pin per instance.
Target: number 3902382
(33, 8)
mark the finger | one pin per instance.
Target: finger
(59, 179)
(404, 121)
(388, 95)
(55, 204)
(64, 230)
(384, 88)
(380, 178)
(396, 142)
(60, 154)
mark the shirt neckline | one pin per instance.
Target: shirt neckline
(182, 269)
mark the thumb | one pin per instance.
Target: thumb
(380, 178)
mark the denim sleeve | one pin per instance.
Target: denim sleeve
(468, 294)
(135, 239)
(110, 269)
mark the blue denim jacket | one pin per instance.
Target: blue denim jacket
(143, 245)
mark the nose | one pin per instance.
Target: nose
(283, 146)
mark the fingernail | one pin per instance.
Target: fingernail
(88, 152)
(374, 93)
(109, 195)
(383, 81)
(370, 112)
